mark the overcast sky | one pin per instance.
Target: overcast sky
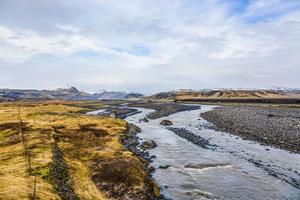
(149, 45)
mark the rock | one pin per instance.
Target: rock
(164, 167)
(265, 138)
(166, 122)
(148, 144)
(145, 119)
(133, 129)
(99, 148)
(113, 114)
(271, 115)
(206, 165)
(151, 170)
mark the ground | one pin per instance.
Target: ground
(272, 125)
(52, 150)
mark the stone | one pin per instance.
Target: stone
(166, 122)
(164, 167)
(144, 120)
(148, 144)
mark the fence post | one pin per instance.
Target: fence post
(29, 161)
(20, 126)
(34, 189)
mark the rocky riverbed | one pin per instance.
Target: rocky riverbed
(279, 127)
(120, 112)
(193, 161)
(130, 142)
(162, 109)
(191, 137)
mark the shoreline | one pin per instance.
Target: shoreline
(131, 142)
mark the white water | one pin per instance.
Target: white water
(232, 175)
(96, 112)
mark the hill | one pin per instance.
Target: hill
(112, 95)
(71, 93)
(225, 94)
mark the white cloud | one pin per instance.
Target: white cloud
(168, 44)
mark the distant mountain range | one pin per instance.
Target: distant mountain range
(73, 93)
(63, 94)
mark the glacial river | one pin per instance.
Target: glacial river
(234, 169)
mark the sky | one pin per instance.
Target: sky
(149, 45)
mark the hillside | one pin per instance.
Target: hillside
(112, 95)
(224, 94)
(62, 94)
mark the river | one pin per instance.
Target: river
(233, 169)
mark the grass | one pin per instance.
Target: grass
(90, 146)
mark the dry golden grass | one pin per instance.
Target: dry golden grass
(232, 94)
(15, 180)
(84, 140)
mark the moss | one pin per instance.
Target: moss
(43, 172)
(5, 133)
(154, 187)
(121, 178)
(121, 171)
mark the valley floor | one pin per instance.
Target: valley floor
(55, 150)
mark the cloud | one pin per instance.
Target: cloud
(153, 45)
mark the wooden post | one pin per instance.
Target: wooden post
(20, 126)
(34, 189)
(29, 161)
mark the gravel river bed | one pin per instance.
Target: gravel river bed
(279, 127)
(194, 161)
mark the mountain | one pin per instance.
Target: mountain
(71, 93)
(224, 94)
(60, 94)
(111, 95)
(134, 96)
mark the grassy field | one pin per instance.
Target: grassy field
(51, 150)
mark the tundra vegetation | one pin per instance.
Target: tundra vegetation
(52, 150)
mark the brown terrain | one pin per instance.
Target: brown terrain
(251, 96)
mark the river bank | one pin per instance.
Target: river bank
(131, 142)
(279, 127)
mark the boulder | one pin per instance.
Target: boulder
(144, 120)
(113, 114)
(148, 144)
(166, 122)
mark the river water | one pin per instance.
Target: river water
(234, 169)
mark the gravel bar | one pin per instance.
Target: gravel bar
(163, 109)
(191, 137)
(279, 127)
